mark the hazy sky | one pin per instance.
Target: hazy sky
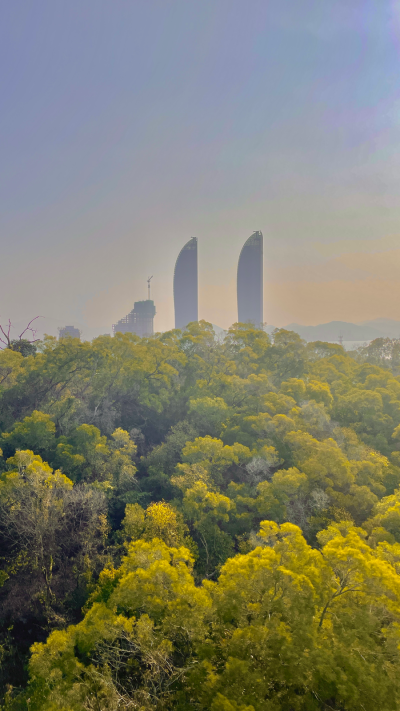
(127, 126)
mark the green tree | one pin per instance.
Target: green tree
(52, 538)
(135, 646)
(215, 457)
(35, 432)
(159, 520)
(299, 628)
(285, 626)
(206, 512)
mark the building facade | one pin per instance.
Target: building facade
(250, 279)
(139, 320)
(69, 331)
(186, 285)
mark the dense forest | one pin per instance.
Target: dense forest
(195, 523)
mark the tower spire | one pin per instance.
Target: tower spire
(148, 287)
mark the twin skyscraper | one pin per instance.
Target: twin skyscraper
(249, 290)
(249, 283)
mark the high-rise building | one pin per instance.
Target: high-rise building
(250, 280)
(69, 331)
(185, 285)
(139, 320)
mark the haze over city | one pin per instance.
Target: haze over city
(199, 355)
(125, 133)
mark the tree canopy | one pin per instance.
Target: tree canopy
(187, 522)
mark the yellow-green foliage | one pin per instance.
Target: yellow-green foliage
(250, 487)
(159, 520)
(285, 626)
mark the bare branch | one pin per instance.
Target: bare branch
(6, 335)
(32, 330)
(6, 341)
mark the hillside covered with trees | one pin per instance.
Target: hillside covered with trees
(190, 523)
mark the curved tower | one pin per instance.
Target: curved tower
(250, 281)
(185, 285)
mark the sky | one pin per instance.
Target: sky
(128, 126)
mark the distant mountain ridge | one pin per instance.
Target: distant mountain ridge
(332, 331)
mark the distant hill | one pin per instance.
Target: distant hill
(387, 327)
(366, 331)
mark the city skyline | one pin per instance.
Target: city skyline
(171, 119)
(250, 289)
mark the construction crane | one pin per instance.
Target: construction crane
(148, 286)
